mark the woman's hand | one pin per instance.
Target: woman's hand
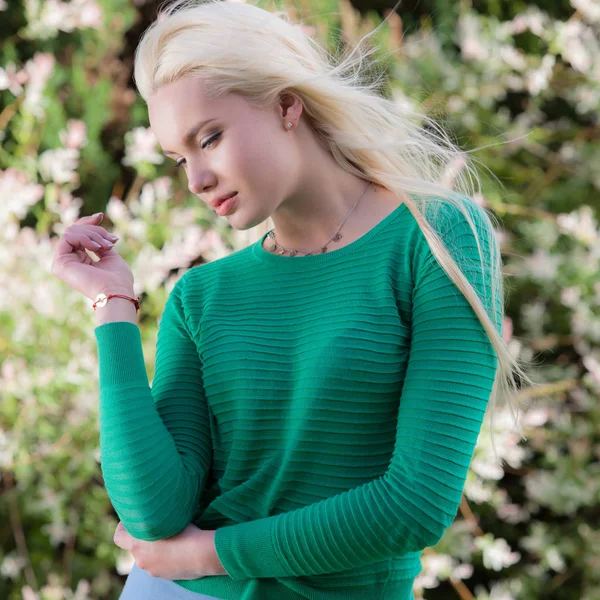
(188, 555)
(72, 264)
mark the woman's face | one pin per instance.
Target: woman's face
(242, 149)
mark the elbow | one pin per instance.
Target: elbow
(152, 532)
(432, 538)
(437, 528)
(154, 526)
(422, 540)
(419, 533)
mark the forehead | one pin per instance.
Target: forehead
(176, 107)
(181, 97)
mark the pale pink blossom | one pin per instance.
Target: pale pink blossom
(13, 80)
(59, 165)
(581, 224)
(90, 13)
(39, 68)
(590, 9)
(75, 136)
(18, 193)
(140, 145)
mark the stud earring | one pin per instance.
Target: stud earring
(289, 124)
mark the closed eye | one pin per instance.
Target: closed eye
(207, 144)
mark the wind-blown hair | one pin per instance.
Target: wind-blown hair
(239, 48)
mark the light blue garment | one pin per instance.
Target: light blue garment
(140, 585)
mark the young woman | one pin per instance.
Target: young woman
(317, 395)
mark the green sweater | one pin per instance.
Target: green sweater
(320, 412)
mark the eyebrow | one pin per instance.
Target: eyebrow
(191, 133)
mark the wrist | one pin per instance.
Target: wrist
(212, 563)
(126, 290)
(116, 309)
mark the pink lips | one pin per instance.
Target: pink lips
(216, 202)
(225, 207)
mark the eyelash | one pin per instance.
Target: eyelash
(206, 144)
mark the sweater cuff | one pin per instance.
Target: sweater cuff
(120, 354)
(248, 551)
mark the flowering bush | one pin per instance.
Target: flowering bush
(72, 128)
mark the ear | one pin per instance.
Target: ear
(290, 106)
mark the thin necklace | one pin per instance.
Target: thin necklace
(336, 237)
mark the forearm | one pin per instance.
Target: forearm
(155, 441)
(152, 478)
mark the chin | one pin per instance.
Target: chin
(245, 225)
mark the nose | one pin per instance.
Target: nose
(199, 182)
(198, 187)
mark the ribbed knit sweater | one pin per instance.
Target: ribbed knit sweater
(320, 412)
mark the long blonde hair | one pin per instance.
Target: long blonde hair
(240, 48)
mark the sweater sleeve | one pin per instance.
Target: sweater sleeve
(155, 443)
(449, 377)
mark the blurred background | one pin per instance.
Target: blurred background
(519, 78)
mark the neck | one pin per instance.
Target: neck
(309, 219)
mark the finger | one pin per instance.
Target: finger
(106, 234)
(96, 237)
(87, 229)
(91, 219)
(70, 242)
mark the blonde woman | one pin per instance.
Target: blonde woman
(317, 395)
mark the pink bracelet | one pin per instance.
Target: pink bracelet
(102, 299)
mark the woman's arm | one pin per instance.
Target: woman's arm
(155, 443)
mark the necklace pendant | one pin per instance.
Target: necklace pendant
(272, 248)
(337, 237)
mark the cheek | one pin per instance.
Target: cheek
(262, 160)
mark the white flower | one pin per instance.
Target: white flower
(140, 145)
(513, 58)
(462, 571)
(538, 79)
(12, 80)
(581, 224)
(497, 553)
(75, 136)
(571, 296)
(590, 9)
(542, 265)
(18, 193)
(59, 165)
(476, 491)
(12, 565)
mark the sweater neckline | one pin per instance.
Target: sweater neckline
(329, 257)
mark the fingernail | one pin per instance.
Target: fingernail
(96, 244)
(96, 214)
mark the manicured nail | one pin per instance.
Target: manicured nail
(96, 244)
